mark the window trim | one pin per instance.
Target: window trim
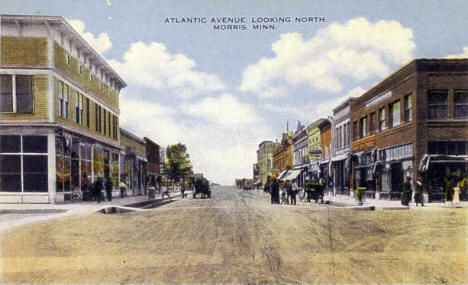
(455, 105)
(390, 114)
(429, 105)
(22, 154)
(14, 100)
(408, 107)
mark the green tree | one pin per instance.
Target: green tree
(178, 163)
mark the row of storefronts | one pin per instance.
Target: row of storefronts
(52, 165)
(411, 127)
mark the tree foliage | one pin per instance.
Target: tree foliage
(178, 162)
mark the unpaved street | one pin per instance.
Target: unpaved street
(239, 237)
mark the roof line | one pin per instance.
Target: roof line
(74, 32)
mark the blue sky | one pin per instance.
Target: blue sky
(223, 92)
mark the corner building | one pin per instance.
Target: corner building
(59, 112)
(414, 124)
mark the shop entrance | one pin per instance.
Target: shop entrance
(396, 179)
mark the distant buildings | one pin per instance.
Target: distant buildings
(341, 148)
(283, 154)
(265, 161)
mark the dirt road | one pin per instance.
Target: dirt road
(238, 237)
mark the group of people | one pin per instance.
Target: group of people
(93, 192)
(282, 192)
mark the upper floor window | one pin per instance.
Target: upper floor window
(105, 121)
(394, 114)
(382, 124)
(79, 108)
(363, 127)
(373, 122)
(408, 108)
(355, 131)
(87, 112)
(19, 99)
(461, 104)
(6, 93)
(437, 104)
(63, 100)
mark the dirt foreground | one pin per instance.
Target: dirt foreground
(238, 237)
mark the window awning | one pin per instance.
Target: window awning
(282, 174)
(293, 174)
(439, 158)
(340, 157)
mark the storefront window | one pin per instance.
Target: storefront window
(448, 147)
(35, 173)
(35, 144)
(10, 144)
(75, 165)
(10, 173)
(63, 167)
(20, 172)
(98, 161)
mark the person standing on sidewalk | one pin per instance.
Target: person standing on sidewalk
(418, 194)
(123, 189)
(293, 194)
(109, 186)
(98, 189)
(182, 190)
(166, 192)
(406, 193)
(275, 192)
(289, 192)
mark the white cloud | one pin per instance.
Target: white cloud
(225, 110)
(153, 66)
(312, 111)
(461, 55)
(101, 43)
(221, 133)
(357, 49)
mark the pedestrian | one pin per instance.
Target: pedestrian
(182, 190)
(266, 188)
(406, 193)
(166, 192)
(98, 189)
(159, 183)
(293, 194)
(109, 186)
(289, 191)
(418, 194)
(123, 189)
(275, 192)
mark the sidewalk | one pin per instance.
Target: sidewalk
(348, 201)
(14, 215)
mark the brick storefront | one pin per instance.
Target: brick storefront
(421, 109)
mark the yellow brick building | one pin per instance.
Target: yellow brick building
(59, 112)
